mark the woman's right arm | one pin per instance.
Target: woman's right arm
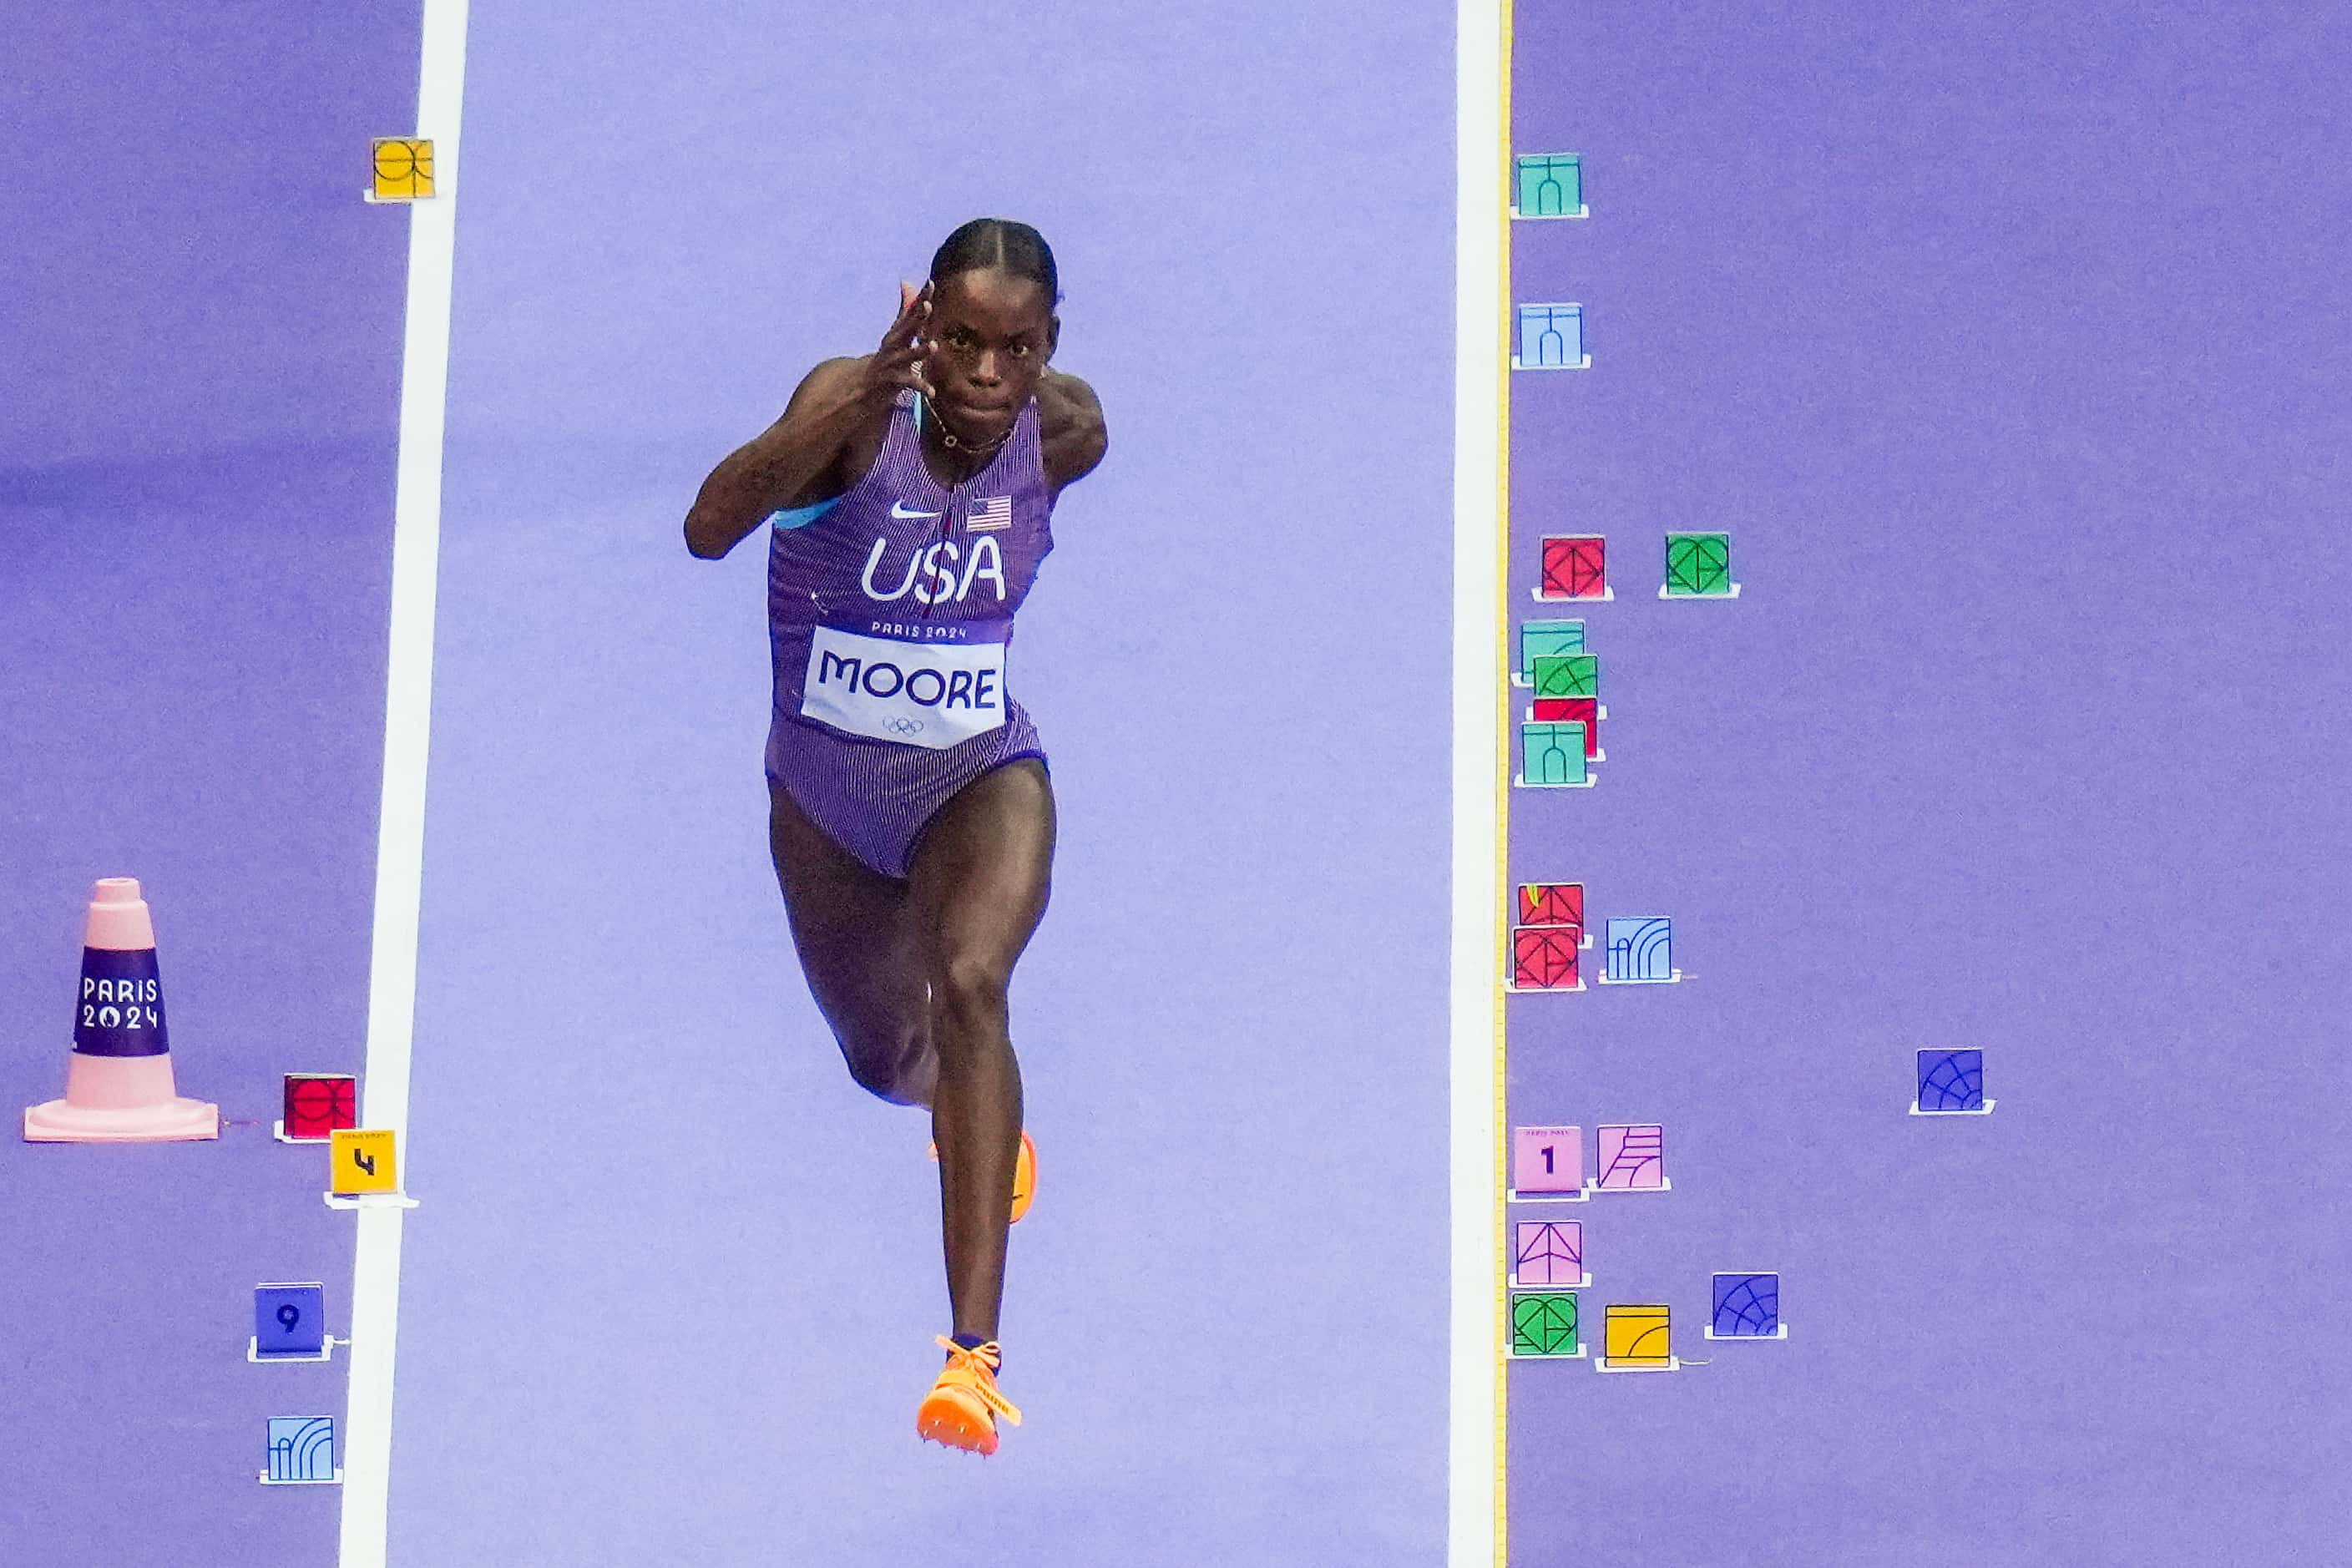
(773, 467)
(833, 402)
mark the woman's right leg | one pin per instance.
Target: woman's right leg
(854, 930)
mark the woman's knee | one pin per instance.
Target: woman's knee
(970, 995)
(891, 1066)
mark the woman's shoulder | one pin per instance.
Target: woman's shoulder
(1064, 400)
(1070, 427)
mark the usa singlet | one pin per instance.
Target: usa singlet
(890, 619)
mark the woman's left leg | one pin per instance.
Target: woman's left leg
(979, 876)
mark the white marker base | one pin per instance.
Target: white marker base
(1581, 1351)
(1672, 1363)
(277, 1130)
(1780, 1333)
(1583, 1284)
(1513, 1196)
(1583, 363)
(1674, 977)
(369, 1200)
(1581, 211)
(367, 194)
(1986, 1110)
(263, 1477)
(1543, 990)
(1733, 595)
(1605, 596)
(1665, 1184)
(253, 1352)
(1587, 782)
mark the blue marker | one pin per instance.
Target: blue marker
(289, 1320)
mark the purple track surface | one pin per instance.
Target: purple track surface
(203, 367)
(673, 1292)
(2008, 347)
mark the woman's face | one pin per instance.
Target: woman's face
(993, 334)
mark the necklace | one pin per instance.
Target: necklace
(954, 443)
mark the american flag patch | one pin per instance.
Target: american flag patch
(989, 514)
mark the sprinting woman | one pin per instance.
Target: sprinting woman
(910, 811)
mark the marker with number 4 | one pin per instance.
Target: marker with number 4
(366, 1170)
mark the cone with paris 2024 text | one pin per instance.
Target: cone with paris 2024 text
(119, 1087)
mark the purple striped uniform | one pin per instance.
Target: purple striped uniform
(890, 614)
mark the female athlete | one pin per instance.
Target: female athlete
(910, 812)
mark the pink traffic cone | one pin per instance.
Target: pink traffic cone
(119, 1086)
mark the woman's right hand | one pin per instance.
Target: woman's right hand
(899, 363)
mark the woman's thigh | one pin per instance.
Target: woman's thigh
(981, 875)
(855, 931)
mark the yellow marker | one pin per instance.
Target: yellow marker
(364, 1162)
(404, 169)
(1635, 1336)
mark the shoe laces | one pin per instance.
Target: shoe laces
(979, 1363)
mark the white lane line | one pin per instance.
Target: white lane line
(1474, 1536)
(400, 845)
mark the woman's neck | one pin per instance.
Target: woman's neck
(959, 462)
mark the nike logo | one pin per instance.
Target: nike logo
(899, 508)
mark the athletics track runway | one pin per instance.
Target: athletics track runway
(1999, 348)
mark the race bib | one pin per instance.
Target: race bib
(921, 685)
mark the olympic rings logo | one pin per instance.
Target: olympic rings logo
(903, 726)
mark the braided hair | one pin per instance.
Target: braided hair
(1003, 243)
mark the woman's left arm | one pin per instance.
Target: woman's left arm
(1073, 429)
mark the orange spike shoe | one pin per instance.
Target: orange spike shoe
(961, 1409)
(1024, 1176)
